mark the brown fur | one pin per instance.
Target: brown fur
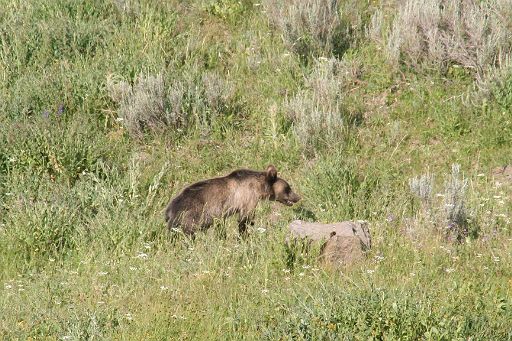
(237, 193)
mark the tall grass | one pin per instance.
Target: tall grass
(108, 109)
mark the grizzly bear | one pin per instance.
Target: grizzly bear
(238, 193)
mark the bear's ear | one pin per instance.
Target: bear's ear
(271, 173)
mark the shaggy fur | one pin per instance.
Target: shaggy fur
(238, 193)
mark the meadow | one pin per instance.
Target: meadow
(394, 112)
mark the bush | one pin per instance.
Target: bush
(209, 98)
(455, 207)
(227, 10)
(452, 216)
(143, 106)
(422, 187)
(498, 83)
(317, 111)
(309, 28)
(150, 105)
(438, 33)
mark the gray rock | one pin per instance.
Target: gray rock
(319, 231)
(341, 251)
(344, 243)
(503, 174)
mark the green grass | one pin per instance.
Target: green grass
(84, 250)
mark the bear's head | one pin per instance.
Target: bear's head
(280, 190)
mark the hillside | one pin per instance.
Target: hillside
(394, 112)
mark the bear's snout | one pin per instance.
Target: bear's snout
(291, 199)
(294, 198)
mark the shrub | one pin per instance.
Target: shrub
(439, 33)
(456, 215)
(496, 82)
(149, 105)
(317, 111)
(422, 187)
(143, 106)
(127, 7)
(210, 99)
(308, 27)
(452, 215)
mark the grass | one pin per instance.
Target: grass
(84, 252)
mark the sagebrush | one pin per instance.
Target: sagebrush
(437, 34)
